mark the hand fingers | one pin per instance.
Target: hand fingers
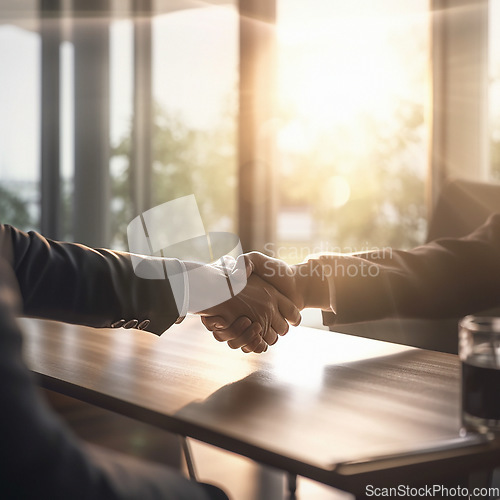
(214, 322)
(262, 347)
(256, 343)
(278, 274)
(268, 267)
(250, 338)
(271, 337)
(245, 334)
(234, 331)
(279, 325)
(289, 310)
(256, 260)
(247, 264)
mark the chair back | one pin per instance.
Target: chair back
(462, 207)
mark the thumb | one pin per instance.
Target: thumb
(243, 262)
(249, 266)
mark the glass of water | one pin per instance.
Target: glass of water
(479, 350)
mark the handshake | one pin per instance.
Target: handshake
(273, 297)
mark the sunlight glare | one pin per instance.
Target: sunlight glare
(337, 191)
(294, 137)
(340, 91)
(334, 70)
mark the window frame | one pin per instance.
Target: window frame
(459, 115)
(459, 119)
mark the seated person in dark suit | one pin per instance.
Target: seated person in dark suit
(39, 457)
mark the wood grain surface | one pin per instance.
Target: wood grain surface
(322, 404)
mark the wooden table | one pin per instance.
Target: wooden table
(342, 410)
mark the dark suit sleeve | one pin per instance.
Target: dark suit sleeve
(443, 279)
(41, 459)
(77, 284)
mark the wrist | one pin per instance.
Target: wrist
(312, 285)
(198, 279)
(296, 289)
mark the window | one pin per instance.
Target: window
(19, 126)
(352, 139)
(67, 115)
(192, 93)
(194, 83)
(195, 64)
(349, 126)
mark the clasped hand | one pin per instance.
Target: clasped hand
(255, 318)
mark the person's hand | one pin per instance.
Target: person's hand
(304, 284)
(252, 319)
(277, 273)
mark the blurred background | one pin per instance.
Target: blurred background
(301, 126)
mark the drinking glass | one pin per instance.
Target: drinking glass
(479, 350)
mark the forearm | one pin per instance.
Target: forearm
(313, 288)
(74, 283)
(303, 283)
(446, 278)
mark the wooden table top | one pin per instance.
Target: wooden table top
(325, 405)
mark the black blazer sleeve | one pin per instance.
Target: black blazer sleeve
(445, 278)
(73, 283)
(41, 459)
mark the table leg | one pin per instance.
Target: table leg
(188, 456)
(292, 484)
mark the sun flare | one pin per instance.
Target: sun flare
(334, 70)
